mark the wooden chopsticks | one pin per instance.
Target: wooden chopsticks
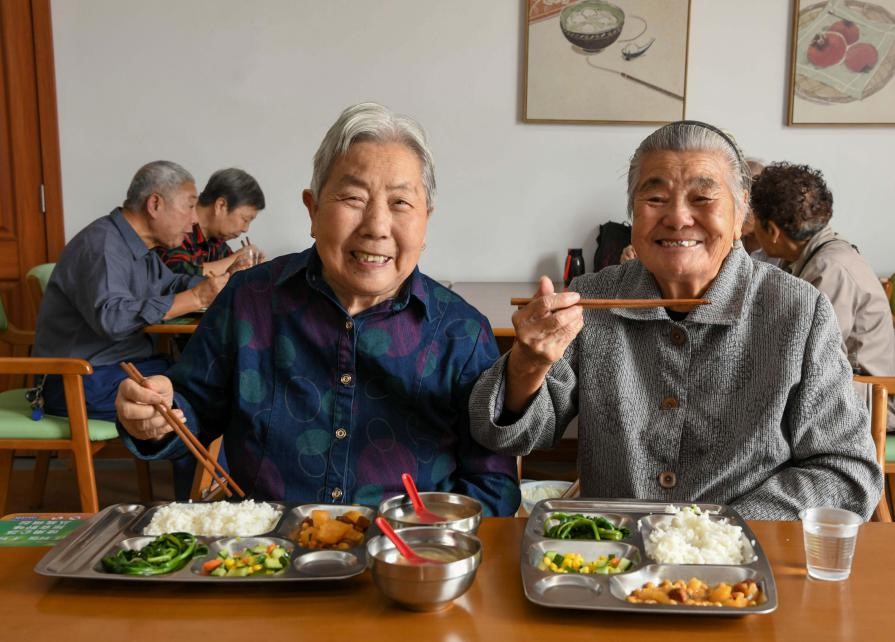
(625, 303)
(195, 446)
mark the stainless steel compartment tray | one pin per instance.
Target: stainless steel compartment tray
(607, 592)
(121, 525)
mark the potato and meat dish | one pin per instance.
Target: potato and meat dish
(322, 530)
(698, 593)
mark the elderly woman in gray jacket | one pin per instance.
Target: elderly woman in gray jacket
(746, 401)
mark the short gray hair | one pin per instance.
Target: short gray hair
(372, 122)
(158, 177)
(695, 136)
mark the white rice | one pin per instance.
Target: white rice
(692, 537)
(214, 518)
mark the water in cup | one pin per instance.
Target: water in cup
(830, 536)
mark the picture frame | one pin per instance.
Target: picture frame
(842, 63)
(605, 61)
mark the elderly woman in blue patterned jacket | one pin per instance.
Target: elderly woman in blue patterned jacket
(332, 371)
(747, 401)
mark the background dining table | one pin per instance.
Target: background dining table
(38, 609)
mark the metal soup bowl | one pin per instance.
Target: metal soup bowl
(461, 513)
(425, 587)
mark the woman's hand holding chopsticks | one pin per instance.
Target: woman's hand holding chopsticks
(136, 407)
(544, 329)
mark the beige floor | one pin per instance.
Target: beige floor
(116, 483)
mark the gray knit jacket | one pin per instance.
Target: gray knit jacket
(748, 401)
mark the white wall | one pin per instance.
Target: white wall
(215, 83)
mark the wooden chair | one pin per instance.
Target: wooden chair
(888, 461)
(18, 432)
(36, 280)
(879, 415)
(204, 487)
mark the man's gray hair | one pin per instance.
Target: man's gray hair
(158, 177)
(372, 122)
(694, 136)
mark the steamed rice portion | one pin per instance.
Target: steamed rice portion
(215, 519)
(692, 537)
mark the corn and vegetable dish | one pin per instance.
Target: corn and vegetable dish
(574, 563)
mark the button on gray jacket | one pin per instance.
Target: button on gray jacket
(764, 416)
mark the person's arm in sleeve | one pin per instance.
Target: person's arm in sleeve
(833, 280)
(486, 476)
(100, 289)
(526, 399)
(833, 456)
(203, 395)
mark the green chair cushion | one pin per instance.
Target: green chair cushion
(16, 422)
(890, 447)
(42, 272)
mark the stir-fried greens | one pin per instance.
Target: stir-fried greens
(165, 554)
(577, 526)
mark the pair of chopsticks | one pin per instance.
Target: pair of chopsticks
(195, 446)
(625, 303)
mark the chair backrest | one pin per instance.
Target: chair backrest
(37, 279)
(879, 415)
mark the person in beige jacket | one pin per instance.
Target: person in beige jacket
(793, 207)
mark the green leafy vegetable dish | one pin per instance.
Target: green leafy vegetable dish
(577, 526)
(165, 554)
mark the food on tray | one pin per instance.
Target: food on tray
(577, 526)
(270, 559)
(322, 530)
(691, 536)
(165, 554)
(574, 563)
(215, 519)
(698, 593)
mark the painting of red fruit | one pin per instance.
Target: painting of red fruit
(848, 29)
(827, 49)
(861, 57)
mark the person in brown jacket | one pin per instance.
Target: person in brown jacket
(793, 207)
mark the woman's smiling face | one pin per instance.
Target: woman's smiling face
(685, 219)
(370, 222)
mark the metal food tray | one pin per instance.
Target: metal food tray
(608, 592)
(121, 526)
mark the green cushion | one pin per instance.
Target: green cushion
(4, 324)
(16, 422)
(42, 272)
(890, 447)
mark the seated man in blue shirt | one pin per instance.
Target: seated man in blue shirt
(332, 371)
(108, 285)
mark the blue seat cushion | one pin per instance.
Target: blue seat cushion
(16, 422)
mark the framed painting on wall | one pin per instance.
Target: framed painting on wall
(842, 63)
(605, 61)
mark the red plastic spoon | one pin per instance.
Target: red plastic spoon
(423, 514)
(403, 547)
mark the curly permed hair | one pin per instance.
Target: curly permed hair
(795, 197)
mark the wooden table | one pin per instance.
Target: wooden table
(36, 608)
(182, 325)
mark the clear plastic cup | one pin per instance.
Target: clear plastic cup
(830, 536)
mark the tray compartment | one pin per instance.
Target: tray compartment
(235, 545)
(291, 523)
(649, 523)
(620, 586)
(589, 550)
(139, 527)
(570, 590)
(541, 520)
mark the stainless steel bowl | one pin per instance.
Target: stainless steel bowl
(461, 513)
(424, 587)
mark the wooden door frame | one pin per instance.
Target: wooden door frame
(26, 35)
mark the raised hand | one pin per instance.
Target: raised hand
(544, 329)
